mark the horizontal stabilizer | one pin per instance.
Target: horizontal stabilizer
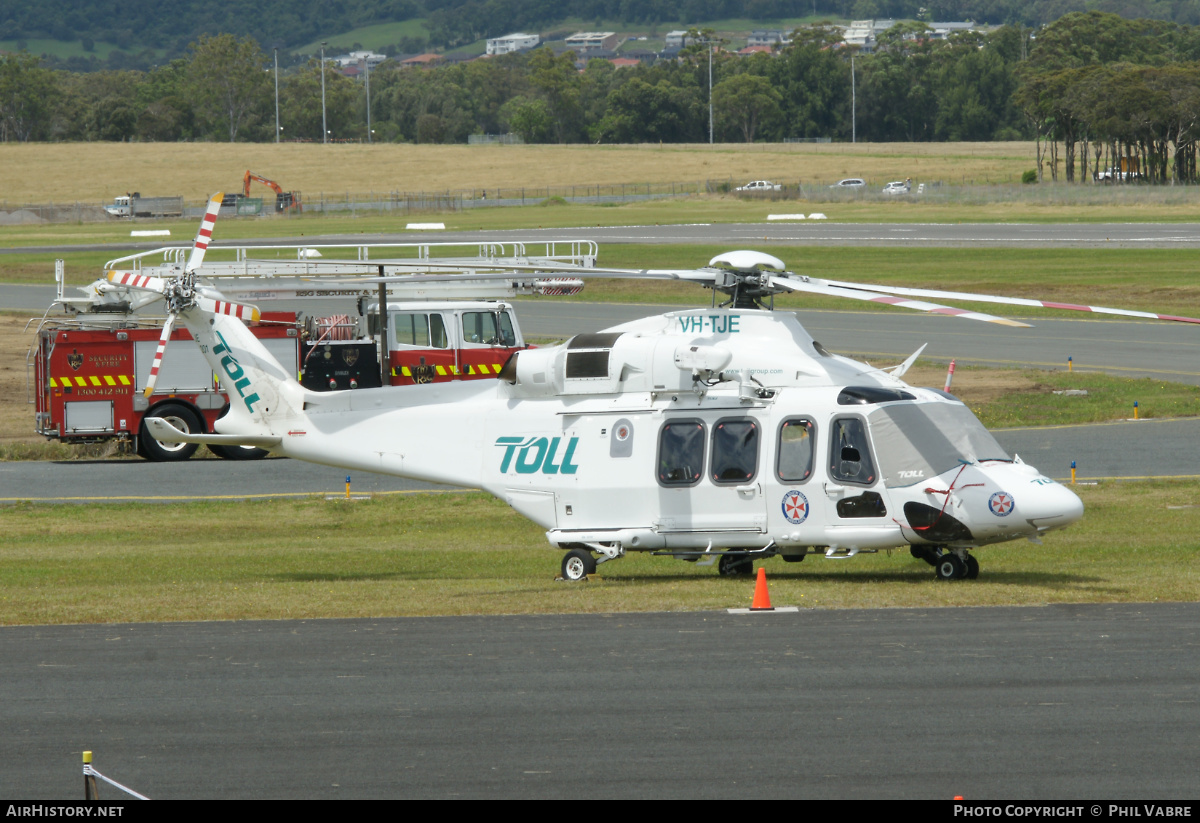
(163, 431)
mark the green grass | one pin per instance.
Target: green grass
(64, 49)
(428, 554)
(1108, 398)
(370, 37)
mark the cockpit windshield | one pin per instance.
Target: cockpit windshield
(917, 441)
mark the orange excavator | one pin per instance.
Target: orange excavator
(284, 200)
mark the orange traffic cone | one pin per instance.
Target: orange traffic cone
(762, 600)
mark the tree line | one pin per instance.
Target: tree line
(1095, 90)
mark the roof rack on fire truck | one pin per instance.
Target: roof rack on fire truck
(255, 273)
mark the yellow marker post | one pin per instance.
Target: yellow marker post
(1135, 410)
(1072, 472)
(1070, 365)
(347, 487)
(89, 782)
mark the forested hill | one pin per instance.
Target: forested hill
(171, 25)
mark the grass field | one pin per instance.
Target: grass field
(427, 554)
(97, 172)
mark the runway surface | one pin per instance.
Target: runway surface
(1063, 702)
(804, 232)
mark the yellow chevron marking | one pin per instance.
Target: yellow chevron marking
(81, 381)
(441, 371)
(108, 378)
(405, 371)
(124, 380)
(95, 380)
(53, 383)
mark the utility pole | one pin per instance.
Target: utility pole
(324, 128)
(710, 109)
(276, 95)
(367, 69)
(853, 105)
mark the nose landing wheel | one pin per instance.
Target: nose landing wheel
(950, 566)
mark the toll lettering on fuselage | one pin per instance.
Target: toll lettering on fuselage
(235, 371)
(537, 454)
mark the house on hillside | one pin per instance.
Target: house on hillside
(586, 42)
(510, 43)
(421, 61)
(765, 37)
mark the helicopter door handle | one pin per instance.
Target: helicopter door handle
(834, 492)
(748, 491)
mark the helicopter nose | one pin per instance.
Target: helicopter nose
(1051, 506)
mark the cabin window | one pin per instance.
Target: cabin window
(850, 452)
(734, 451)
(797, 441)
(488, 328)
(423, 330)
(681, 453)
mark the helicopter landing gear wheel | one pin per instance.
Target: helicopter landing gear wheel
(578, 564)
(731, 565)
(950, 567)
(972, 567)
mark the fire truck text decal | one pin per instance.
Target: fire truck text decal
(537, 453)
(235, 371)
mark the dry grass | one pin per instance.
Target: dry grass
(93, 172)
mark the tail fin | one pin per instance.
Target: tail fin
(264, 399)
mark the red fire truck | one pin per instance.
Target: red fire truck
(90, 373)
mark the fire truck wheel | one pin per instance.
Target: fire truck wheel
(238, 452)
(182, 418)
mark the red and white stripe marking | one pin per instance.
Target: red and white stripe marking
(158, 354)
(134, 280)
(241, 311)
(204, 236)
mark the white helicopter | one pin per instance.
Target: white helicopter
(716, 434)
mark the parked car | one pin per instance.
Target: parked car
(759, 185)
(1113, 173)
(898, 187)
(850, 183)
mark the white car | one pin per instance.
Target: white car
(897, 187)
(759, 185)
(850, 183)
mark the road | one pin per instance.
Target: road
(805, 232)
(1087, 702)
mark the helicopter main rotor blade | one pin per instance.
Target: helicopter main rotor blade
(1010, 301)
(133, 280)
(158, 354)
(813, 286)
(204, 235)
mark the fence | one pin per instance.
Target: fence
(401, 203)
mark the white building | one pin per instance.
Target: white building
(358, 58)
(582, 42)
(512, 42)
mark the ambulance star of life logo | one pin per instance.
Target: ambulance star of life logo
(1001, 504)
(795, 507)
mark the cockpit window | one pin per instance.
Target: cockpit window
(681, 453)
(794, 462)
(734, 451)
(850, 452)
(917, 441)
(865, 395)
